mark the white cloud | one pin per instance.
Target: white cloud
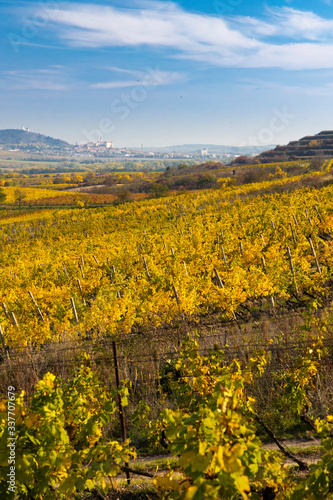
(288, 22)
(152, 78)
(123, 70)
(40, 79)
(322, 89)
(113, 84)
(302, 40)
(163, 25)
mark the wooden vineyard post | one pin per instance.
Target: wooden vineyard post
(273, 225)
(315, 255)
(14, 320)
(63, 265)
(120, 406)
(3, 343)
(146, 268)
(82, 273)
(241, 248)
(225, 260)
(39, 312)
(307, 216)
(81, 291)
(74, 311)
(32, 298)
(263, 262)
(318, 214)
(184, 263)
(292, 268)
(293, 234)
(175, 294)
(5, 310)
(95, 260)
(219, 281)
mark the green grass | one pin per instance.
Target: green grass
(309, 451)
(154, 465)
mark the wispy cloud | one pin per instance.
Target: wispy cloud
(303, 40)
(151, 78)
(253, 84)
(123, 70)
(288, 23)
(117, 84)
(163, 25)
(50, 78)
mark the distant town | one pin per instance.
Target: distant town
(107, 148)
(25, 141)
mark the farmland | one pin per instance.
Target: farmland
(150, 269)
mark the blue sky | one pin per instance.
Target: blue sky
(152, 72)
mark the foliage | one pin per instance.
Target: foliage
(59, 446)
(158, 190)
(167, 232)
(63, 448)
(319, 483)
(15, 195)
(214, 433)
(290, 388)
(19, 196)
(3, 196)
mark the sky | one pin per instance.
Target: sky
(161, 73)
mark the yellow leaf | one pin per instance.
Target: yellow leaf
(243, 485)
(167, 483)
(190, 493)
(231, 460)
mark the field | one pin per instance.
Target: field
(219, 301)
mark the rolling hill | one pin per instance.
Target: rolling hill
(306, 148)
(17, 137)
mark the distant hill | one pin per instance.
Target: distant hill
(17, 137)
(212, 148)
(308, 147)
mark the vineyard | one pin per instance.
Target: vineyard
(145, 274)
(152, 261)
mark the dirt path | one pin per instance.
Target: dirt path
(85, 189)
(297, 442)
(302, 443)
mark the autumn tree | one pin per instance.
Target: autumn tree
(19, 197)
(3, 196)
(158, 190)
(314, 143)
